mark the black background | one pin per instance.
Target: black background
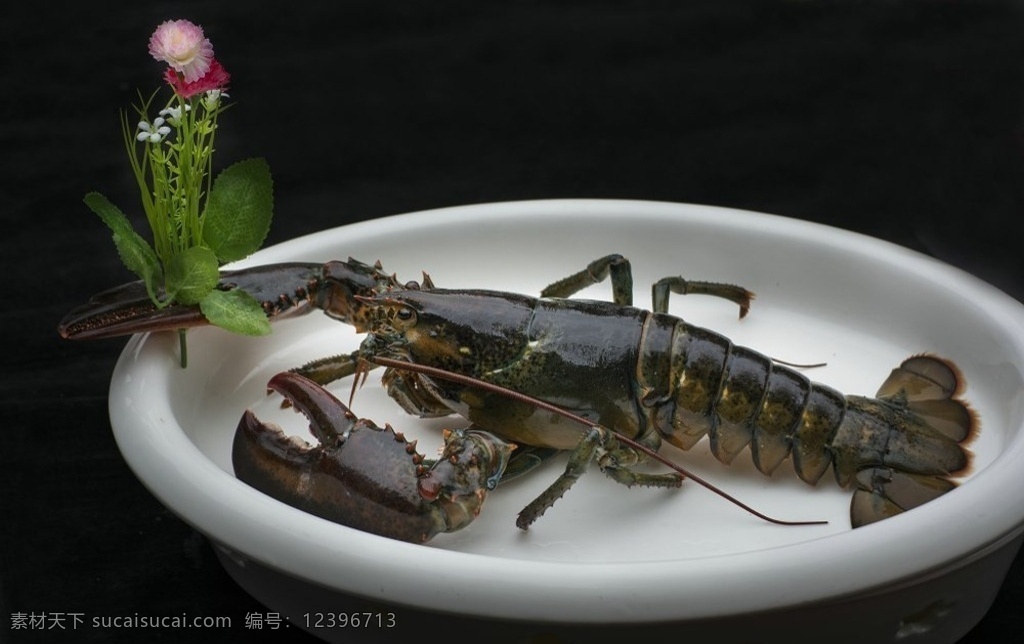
(901, 120)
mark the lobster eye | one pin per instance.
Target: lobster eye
(405, 315)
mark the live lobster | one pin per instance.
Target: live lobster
(644, 374)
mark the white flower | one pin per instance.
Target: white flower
(173, 114)
(155, 132)
(212, 98)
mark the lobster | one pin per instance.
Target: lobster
(645, 374)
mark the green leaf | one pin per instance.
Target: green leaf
(236, 311)
(192, 275)
(239, 209)
(136, 253)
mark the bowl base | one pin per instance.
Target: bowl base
(937, 609)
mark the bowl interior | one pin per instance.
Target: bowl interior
(823, 295)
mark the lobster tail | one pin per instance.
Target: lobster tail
(899, 448)
(896, 450)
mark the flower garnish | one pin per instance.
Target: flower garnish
(215, 80)
(182, 45)
(153, 133)
(197, 223)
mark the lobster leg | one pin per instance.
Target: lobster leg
(525, 459)
(324, 371)
(598, 271)
(678, 285)
(618, 268)
(614, 460)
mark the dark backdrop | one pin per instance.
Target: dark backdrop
(901, 120)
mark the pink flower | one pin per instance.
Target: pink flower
(215, 78)
(181, 44)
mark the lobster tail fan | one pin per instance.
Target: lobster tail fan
(929, 386)
(928, 426)
(922, 378)
(883, 492)
(951, 417)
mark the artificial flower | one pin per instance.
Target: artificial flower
(197, 223)
(153, 133)
(213, 98)
(173, 114)
(181, 44)
(216, 78)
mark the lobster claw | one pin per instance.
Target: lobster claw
(282, 289)
(364, 476)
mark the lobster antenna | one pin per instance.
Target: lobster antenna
(450, 376)
(797, 365)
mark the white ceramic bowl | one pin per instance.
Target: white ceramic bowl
(678, 562)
